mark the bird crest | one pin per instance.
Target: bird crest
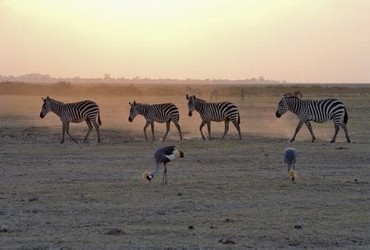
(145, 175)
(292, 174)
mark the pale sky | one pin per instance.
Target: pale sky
(292, 40)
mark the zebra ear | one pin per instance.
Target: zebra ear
(43, 99)
(134, 103)
(187, 97)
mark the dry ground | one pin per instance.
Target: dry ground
(223, 194)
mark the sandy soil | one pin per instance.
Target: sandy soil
(223, 194)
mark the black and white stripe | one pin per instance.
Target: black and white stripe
(316, 111)
(73, 112)
(161, 113)
(222, 111)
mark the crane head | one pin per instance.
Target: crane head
(147, 176)
(292, 174)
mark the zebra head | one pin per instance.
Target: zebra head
(191, 104)
(45, 107)
(133, 111)
(282, 107)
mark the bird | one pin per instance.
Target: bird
(163, 155)
(290, 158)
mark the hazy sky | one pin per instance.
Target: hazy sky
(293, 40)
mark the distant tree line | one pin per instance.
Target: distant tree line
(204, 91)
(39, 78)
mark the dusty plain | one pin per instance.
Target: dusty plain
(230, 193)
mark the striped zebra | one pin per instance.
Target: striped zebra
(222, 111)
(165, 112)
(73, 112)
(316, 111)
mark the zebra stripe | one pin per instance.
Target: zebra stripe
(222, 111)
(161, 113)
(73, 112)
(316, 111)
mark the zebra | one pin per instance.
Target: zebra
(165, 112)
(316, 111)
(243, 93)
(73, 112)
(215, 94)
(222, 111)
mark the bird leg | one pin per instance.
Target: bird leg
(164, 180)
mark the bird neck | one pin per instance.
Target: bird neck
(157, 166)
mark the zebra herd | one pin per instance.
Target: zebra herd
(306, 110)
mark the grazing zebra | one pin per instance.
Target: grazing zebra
(222, 111)
(316, 111)
(73, 112)
(161, 113)
(215, 94)
(163, 155)
(243, 93)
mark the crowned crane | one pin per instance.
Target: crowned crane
(290, 158)
(163, 155)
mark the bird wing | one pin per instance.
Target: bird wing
(158, 155)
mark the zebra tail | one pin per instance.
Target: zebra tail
(238, 118)
(99, 121)
(345, 116)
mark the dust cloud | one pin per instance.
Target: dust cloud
(21, 106)
(257, 114)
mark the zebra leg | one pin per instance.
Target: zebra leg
(97, 130)
(178, 128)
(344, 126)
(237, 126)
(296, 130)
(309, 126)
(146, 125)
(200, 128)
(67, 130)
(88, 122)
(152, 126)
(168, 123)
(209, 130)
(336, 126)
(226, 128)
(63, 132)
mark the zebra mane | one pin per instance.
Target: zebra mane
(296, 94)
(48, 99)
(53, 100)
(291, 96)
(138, 103)
(142, 104)
(200, 100)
